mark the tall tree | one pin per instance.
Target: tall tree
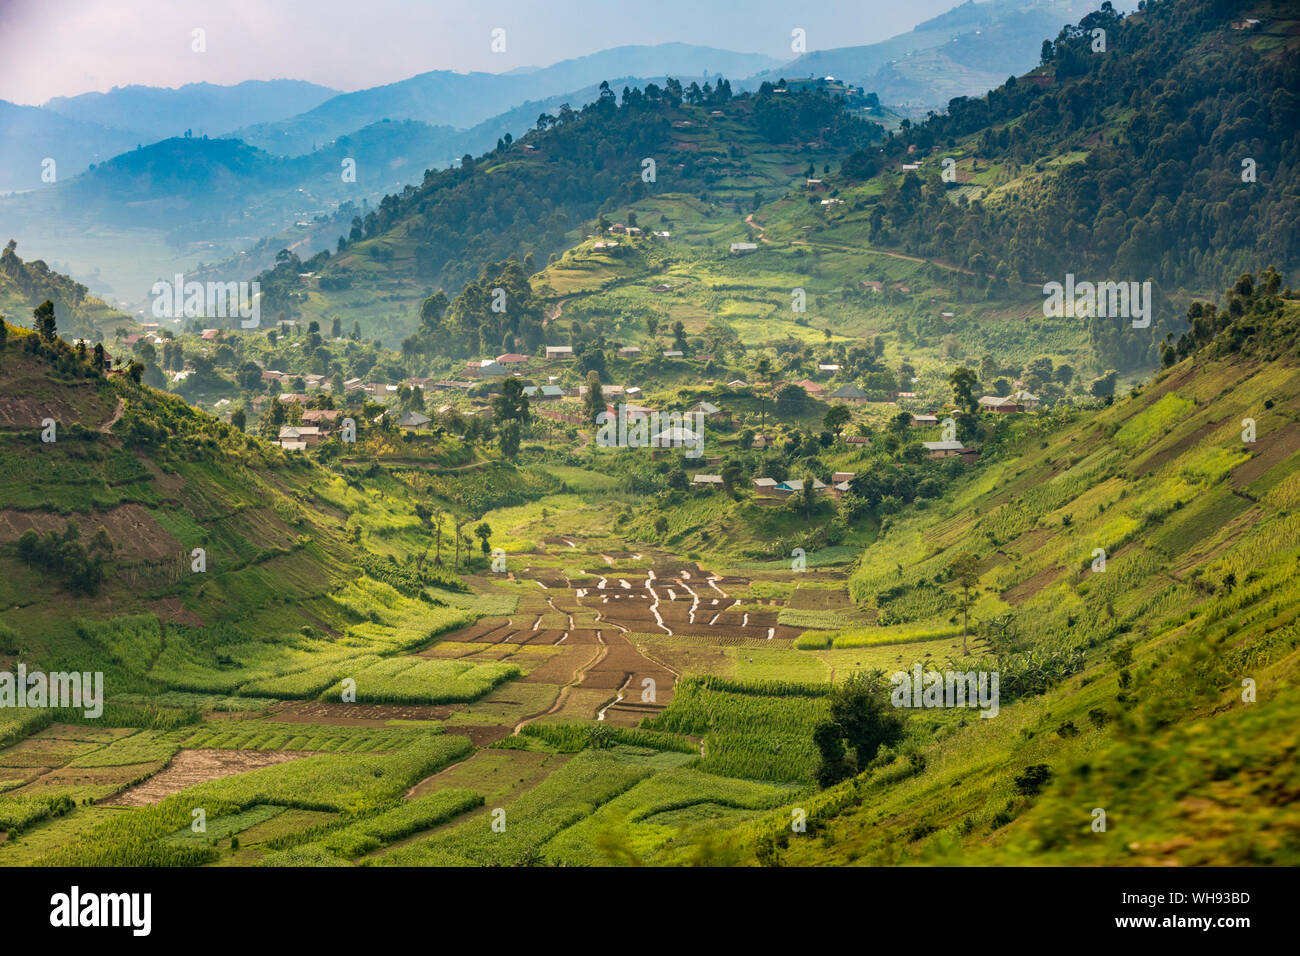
(44, 316)
(965, 571)
(963, 381)
(594, 402)
(483, 531)
(836, 417)
(861, 721)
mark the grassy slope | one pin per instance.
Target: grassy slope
(283, 593)
(1164, 483)
(386, 293)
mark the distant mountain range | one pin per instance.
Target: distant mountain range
(965, 52)
(291, 117)
(79, 130)
(203, 108)
(214, 170)
(464, 100)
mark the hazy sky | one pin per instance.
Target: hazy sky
(63, 47)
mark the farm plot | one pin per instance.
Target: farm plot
(641, 687)
(500, 775)
(663, 809)
(191, 767)
(749, 731)
(373, 832)
(283, 735)
(336, 714)
(568, 795)
(414, 680)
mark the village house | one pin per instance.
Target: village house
(485, 368)
(848, 393)
(765, 486)
(306, 435)
(857, 440)
(816, 185)
(561, 352)
(828, 368)
(706, 409)
(1026, 400)
(921, 421)
(631, 413)
(673, 353)
(760, 441)
(740, 248)
(607, 391)
(943, 449)
(707, 481)
(296, 398)
(787, 488)
(413, 419)
(992, 403)
(511, 358)
(812, 388)
(629, 352)
(679, 437)
(353, 384)
(323, 418)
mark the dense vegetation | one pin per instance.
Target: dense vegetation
(1157, 131)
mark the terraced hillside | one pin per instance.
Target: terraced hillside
(1141, 560)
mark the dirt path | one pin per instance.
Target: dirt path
(553, 315)
(579, 675)
(117, 417)
(762, 230)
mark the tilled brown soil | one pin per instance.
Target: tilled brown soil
(191, 767)
(338, 714)
(135, 534)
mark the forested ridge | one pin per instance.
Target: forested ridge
(1191, 139)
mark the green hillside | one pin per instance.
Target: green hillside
(535, 195)
(1144, 661)
(25, 285)
(304, 575)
